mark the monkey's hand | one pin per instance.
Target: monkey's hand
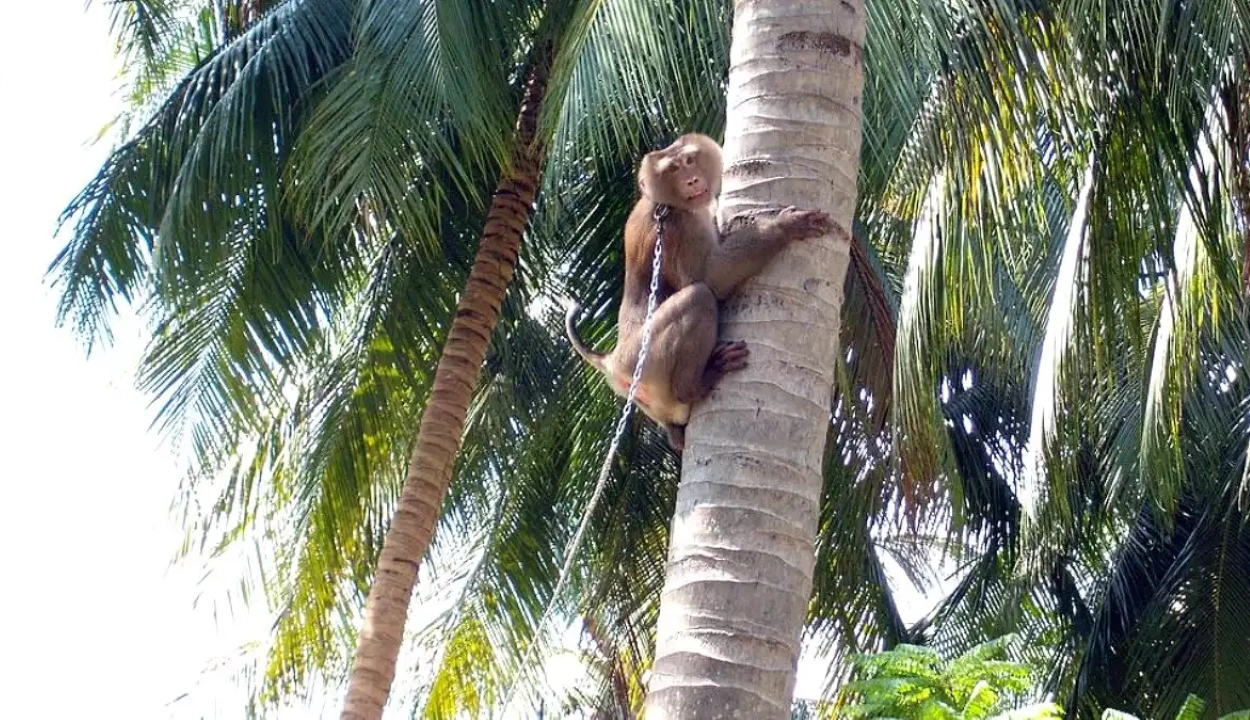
(799, 224)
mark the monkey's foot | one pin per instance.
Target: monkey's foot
(805, 224)
(676, 437)
(728, 357)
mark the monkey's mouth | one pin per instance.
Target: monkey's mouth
(701, 195)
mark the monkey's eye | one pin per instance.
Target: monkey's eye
(688, 160)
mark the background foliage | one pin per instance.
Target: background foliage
(1042, 371)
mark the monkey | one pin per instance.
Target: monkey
(700, 266)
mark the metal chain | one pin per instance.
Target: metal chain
(661, 212)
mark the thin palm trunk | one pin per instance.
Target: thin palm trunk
(742, 553)
(438, 439)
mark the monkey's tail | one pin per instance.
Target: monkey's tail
(570, 329)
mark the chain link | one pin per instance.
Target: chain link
(661, 212)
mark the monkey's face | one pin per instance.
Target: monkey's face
(685, 174)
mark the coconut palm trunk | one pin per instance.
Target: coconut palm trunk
(438, 439)
(741, 552)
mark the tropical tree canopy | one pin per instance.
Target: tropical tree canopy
(1041, 366)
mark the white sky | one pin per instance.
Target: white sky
(93, 622)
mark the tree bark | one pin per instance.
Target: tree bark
(438, 439)
(741, 555)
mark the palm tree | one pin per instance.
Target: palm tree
(249, 304)
(442, 422)
(1092, 403)
(295, 371)
(979, 313)
(1057, 208)
(742, 550)
(557, 41)
(352, 332)
(284, 213)
(333, 346)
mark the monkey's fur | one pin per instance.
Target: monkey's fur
(699, 266)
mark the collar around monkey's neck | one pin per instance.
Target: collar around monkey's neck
(661, 211)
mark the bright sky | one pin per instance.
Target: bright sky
(93, 622)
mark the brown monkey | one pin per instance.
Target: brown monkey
(699, 266)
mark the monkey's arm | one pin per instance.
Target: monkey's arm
(747, 246)
(639, 245)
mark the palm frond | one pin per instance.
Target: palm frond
(414, 114)
(203, 169)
